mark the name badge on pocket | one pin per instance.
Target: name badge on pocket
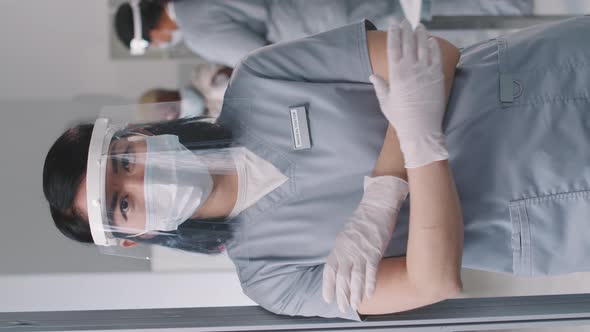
(300, 128)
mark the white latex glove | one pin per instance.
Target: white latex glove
(412, 11)
(414, 100)
(351, 268)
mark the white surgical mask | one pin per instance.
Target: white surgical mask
(176, 183)
(191, 103)
(256, 178)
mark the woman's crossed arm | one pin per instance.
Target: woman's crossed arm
(431, 270)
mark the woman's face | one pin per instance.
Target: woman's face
(124, 193)
(171, 195)
(124, 185)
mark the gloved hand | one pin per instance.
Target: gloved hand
(414, 100)
(351, 267)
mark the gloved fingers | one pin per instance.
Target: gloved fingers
(343, 287)
(381, 87)
(422, 44)
(408, 42)
(357, 282)
(394, 45)
(394, 20)
(328, 283)
(370, 279)
(434, 52)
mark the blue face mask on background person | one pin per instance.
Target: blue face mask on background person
(191, 103)
(176, 183)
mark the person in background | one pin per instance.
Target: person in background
(211, 80)
(225, 31)
(140, 24)
(184, 103)
(203, 97)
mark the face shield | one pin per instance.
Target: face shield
(157, 181)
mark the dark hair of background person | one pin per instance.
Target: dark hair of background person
(65, 168)
(151, 12)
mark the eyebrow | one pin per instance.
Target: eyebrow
(114, 161)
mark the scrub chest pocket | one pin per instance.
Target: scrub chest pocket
(544, 77)
(546, 64)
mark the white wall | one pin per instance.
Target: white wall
(55, 70)
(58, 49)
(119, 291)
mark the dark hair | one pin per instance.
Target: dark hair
(65, 168)
(150, 10)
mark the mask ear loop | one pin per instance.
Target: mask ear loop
(137, 235)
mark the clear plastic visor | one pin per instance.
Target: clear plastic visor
(159, 182)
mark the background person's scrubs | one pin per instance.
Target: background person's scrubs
(225, 31)
(517, 130)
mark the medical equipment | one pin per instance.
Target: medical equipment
(350, 271)
(414, 99)
(146, 181)
(172, 194)
(412, 11)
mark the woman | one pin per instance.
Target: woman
(524, 207)
(190, 100)
(212, 81)
(203, 97)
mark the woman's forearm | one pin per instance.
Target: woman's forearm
(435, 240)
(391, 159)
(436, 227)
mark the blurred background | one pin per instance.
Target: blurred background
(60, 63)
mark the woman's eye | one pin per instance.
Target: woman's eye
(126, 164)
(128, 160)
(124, 205)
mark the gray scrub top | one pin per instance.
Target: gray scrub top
(517, 128)
(223, 31)
(478, 7)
